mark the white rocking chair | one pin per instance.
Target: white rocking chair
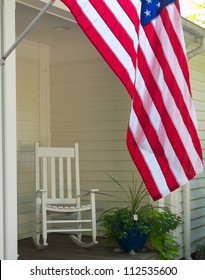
(58, 205)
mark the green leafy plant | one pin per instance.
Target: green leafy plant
(162, 222)
(119, 221)
(200, 251)
(154, 222)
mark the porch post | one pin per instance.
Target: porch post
(9, 137)
(187, 222)
(1, 151)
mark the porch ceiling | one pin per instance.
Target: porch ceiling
(44, 31)
(67, 44)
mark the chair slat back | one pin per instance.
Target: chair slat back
(54, 170)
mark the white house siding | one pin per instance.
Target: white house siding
(89, 105)
(28, 131)
(197, 186)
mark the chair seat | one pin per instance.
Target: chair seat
(67, 209)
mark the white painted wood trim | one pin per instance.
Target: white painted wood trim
(9, 136)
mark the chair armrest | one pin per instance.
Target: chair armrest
(94, 190)
(89, 192)
(39, 192)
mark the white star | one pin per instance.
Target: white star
(158, 5)
(149, 1)
(147, 13)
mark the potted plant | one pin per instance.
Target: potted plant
(123, 225)
(132, 226)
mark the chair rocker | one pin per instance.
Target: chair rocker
(58, 205)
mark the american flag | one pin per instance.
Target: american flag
(143, 43)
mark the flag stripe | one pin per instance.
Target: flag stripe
(130, 8)
(156, 191)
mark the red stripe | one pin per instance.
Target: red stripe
(131, 11)
(142, 166)
(154, 142)
(176, 45)
(117, 29)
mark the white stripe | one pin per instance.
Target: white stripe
(169, 102)
(121, 17)
(108, 37)
(137, 5)
(123, 20)
(175, 18)
(157, 124)
(148, 155)
(173, 63)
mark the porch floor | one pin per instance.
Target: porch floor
(61, 247)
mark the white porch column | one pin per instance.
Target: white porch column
(1, 150)
(9, 170)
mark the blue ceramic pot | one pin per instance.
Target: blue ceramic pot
(135, 241)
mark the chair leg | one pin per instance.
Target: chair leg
(44, 224)
(44, 237)
(79, 235)
(80, 243)
(77, 239)
(93, 215)
(37, 243)
(44, 233)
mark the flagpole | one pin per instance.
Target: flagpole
(30, 26)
